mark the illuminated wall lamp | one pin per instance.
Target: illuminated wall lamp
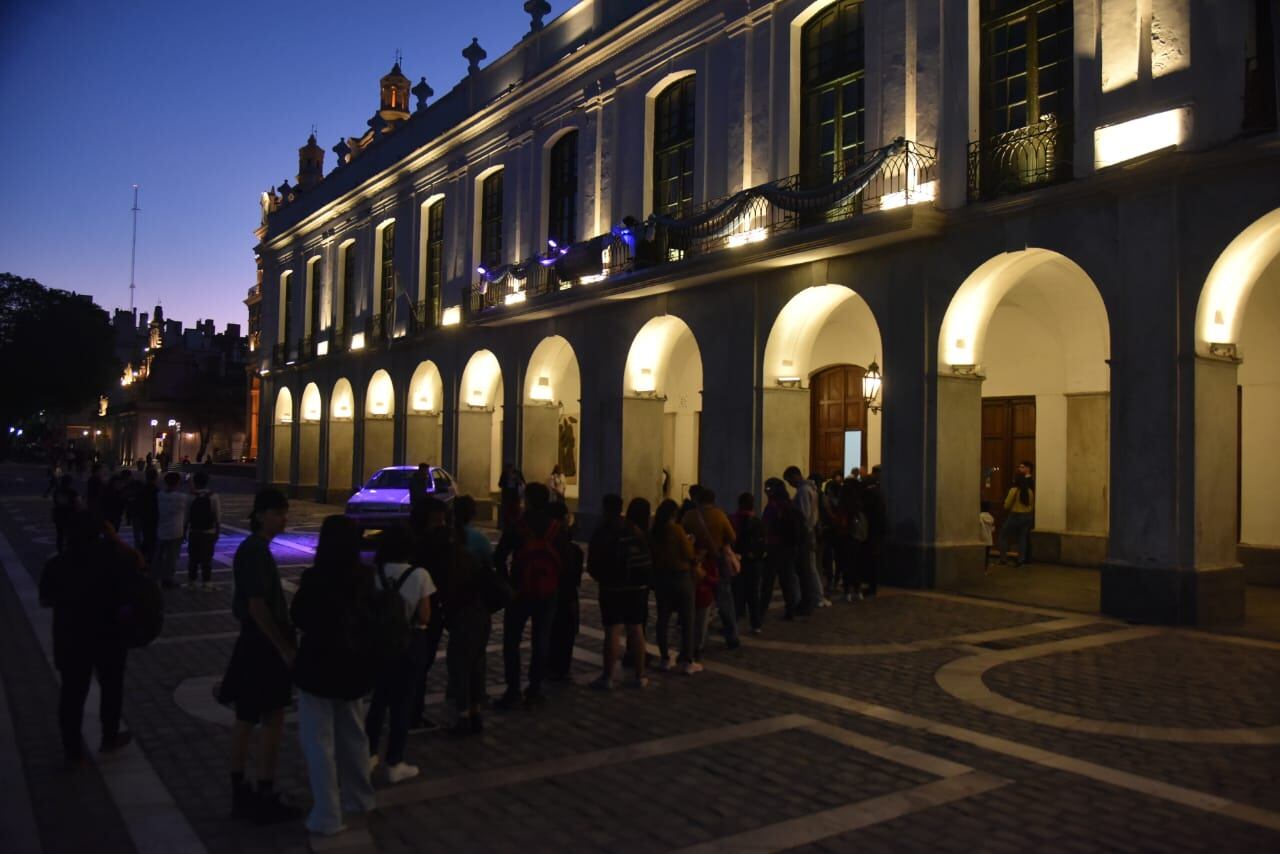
(789, 382)
(1117, 143)
(451, 316)
(322, 348)
(645, 383)
(422, 403)
(357, 341)
(742, 238)
(541, 390)
(871, 382)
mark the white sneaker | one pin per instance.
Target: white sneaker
(373, 762)
(824, 603)
(400, 772)
(690, 668)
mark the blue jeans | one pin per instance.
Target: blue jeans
(165, 564)
(337, 751)
(807, 566)
(392, 696)
(726, 607)
(519, 612)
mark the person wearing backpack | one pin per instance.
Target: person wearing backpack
(620, 560)
(171, 520)
(564, 627)
(783, 532)
(713, 535)
(750, 544)
(335, 611)
(472, 592)
(86, 586)
(534, 572)
(408, 589)
(204, 525)
(674, 579)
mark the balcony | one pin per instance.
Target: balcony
(1020, 160)
(426, 316)
(901, 174)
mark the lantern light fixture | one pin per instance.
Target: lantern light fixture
(871, 382)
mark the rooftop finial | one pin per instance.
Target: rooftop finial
(422, 92)
(537, 10)
(473, 54)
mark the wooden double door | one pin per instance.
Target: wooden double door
(836, 410)
(1008, 438)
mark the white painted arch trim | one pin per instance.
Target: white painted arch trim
(481, 381)
(312, 408)
(552, 359)
(342, 404)
(1220, 313)
(426, 389)
(802, 320)
(380, 402)
(649, 359)
(283, 413)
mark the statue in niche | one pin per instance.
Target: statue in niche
(567, 449)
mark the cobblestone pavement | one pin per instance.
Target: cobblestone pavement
(906, 722)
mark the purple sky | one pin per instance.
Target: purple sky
(203, 105)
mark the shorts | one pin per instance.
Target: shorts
(258, 682)
(624, 607)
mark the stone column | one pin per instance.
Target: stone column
(959, 81)
(1216, 463)
(958, 551)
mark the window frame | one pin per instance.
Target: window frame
(490, 220)
(674, 143)
(850, 70)
(562, 189)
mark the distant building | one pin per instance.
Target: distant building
(181, 392)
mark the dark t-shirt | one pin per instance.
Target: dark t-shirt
(256, 575)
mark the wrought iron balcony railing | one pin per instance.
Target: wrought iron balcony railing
(897, 175)
(1021, 159)
(426, 315)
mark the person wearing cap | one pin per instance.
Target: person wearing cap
(259, 681)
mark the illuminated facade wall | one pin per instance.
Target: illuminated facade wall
(1138, 179)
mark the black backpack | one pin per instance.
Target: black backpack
(201, 514)
(390, 626)
(632, 565)
(791, 525)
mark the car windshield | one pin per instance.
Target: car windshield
(390, 479)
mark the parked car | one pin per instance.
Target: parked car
(384, 500)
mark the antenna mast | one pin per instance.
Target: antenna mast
(133, 249)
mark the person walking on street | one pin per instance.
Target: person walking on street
(1021, 504)
(783, 535)
(675, 566)
(171, 522)
(258, 681)
(532, 545)
(620, 560)
(713, 535)
(806, 501)
(204, 526)
(336, 662)
(749, 533)
(397, 676)
(85, 585)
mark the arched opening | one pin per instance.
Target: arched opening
(309, 436)
(1238, 406)
(480, 413)
(342, 436)
(423, 426)
(282, 437)
(379, 423)
(552, 413)
(1023, 375)
(662, 396)
(815, 415)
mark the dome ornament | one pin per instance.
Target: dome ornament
(473, 54)
(422, 92)
(342, 150)
(537, 10)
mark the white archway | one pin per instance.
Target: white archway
(1238, 405)
(423, 426)
(822, 327)
(1023, 373)
(379, 423)
(662, 396)
(552, 413)
(282, 437)
(342, 437)
(311, 410)
(480, 415)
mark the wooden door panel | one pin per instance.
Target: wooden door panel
(836, 406)
(1008, 437)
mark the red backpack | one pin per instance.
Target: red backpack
(537, 563)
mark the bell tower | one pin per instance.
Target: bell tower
(310, 164)
(394, 88)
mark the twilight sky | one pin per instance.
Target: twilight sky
(204, 105)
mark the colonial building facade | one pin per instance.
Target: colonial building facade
(681, 241)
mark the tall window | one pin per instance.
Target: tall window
(1026, 64)
(387, 275)
(673, 125)
(833, 100)
(491, 220)
(435, 261)
(286, 307)
(315, 270)
(563, 186)
(348, 288)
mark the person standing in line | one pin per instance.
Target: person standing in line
(713, 535)
(204, 526)
(850, 537)
(806, 501)
(396, 677)
(424, 523)
(85, 585)
(534, 572)
(171, 522)
(749, 532)
(565, 624)
(1021, 504)
(335, 666)
(828, 501)
(65, 502)
(144, 513)
(471, 593)
(259, 681)
(783, 534)
(556, 484)
(419, 485)
(510, 488)
(674, 579)
(877, 532)
(620, 560)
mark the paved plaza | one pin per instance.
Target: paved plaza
(912, 721)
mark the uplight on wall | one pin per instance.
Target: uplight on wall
(755, 235)
(342, 410)
(1117, 143)
(645, 383)
(357, 341)
(422, 403)
(312, 412)
(926, 192)
(379, 407)
(541, 389)
(514, 297)
(451, 316)
(476, 398)
(322, 348)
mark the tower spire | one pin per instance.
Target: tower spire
(133, 249)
